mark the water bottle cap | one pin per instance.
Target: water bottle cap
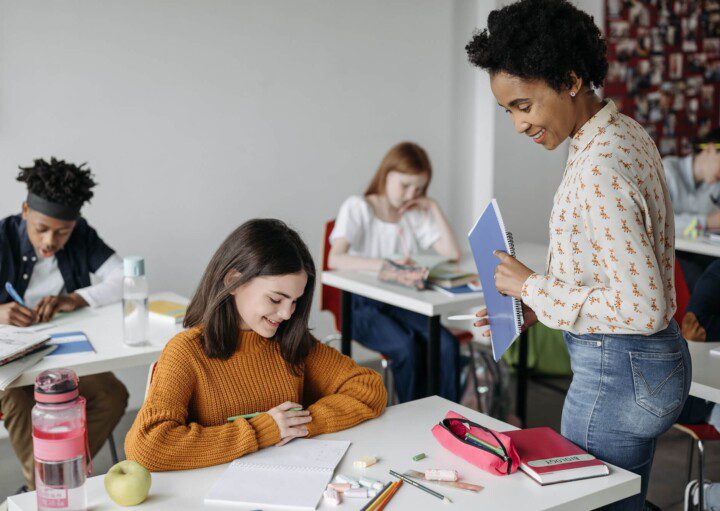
(134, 266)
(56, 386)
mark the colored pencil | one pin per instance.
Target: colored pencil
(390, 496)
(376, 498)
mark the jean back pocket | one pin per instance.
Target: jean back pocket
(659, 380)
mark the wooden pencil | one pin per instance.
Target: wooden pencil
(390, 496)
(376, 498)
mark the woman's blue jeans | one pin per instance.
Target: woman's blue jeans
(626, 391)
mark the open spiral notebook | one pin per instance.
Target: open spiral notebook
(291, 476)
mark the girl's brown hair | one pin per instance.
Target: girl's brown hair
(405, 157)
(260, 247)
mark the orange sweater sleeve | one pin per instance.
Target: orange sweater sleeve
(339, 393)
(161, 438)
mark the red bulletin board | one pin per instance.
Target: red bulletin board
(664, 67)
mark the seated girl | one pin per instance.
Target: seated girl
(248, 349)
(395, 218)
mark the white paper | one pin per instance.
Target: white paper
(14, 341)
(10, 372)
(291, 476)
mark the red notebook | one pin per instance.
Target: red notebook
(549, 458)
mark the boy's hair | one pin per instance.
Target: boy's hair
(58, 181)
(541, 40)
(712, 137)
(259, 247)
(405, 157)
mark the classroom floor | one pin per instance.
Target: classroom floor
(666, 486)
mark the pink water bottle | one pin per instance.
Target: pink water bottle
(59, 441)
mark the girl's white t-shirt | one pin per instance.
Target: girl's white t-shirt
(371, 237)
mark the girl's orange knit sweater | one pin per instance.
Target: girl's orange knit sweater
(183, 422)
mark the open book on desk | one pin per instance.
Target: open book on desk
(292, 476)
(504, 312)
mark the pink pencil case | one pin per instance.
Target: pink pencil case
(495, 453)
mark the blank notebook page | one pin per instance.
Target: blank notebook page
(291, 476)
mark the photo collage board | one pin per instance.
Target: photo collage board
(664, 67)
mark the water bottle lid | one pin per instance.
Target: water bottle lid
(134, 266)
(56, 386)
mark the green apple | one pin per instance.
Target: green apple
(128, 483)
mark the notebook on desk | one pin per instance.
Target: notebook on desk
(504, 312)
(291, 476)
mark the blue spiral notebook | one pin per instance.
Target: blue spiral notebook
(504, 312)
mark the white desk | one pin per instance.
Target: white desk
(428, 303)
(698, 246)
(103, 326)
(706, 371)
(402, 432)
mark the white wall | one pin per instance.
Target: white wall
(198, 115)
(525, 175)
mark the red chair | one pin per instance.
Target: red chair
(682, 294)
(331, 301)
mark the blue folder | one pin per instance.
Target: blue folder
(70, 342)
(504, 312)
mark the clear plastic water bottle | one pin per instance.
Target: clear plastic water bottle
(135, 301)
(59, 442)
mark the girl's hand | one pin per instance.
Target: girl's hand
(290, 423)
(510, 275)
(422, 203)
(529, 319)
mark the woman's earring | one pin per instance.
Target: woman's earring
(572, 94)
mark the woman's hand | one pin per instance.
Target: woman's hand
(290, 423)
(510, 275)
(529, 319)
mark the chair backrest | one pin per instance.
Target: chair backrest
(151, 373)
(682, 293)
(330, 297)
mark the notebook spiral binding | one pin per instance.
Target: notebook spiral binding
(517, 304)
(289, 468)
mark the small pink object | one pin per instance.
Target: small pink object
(441, 475)
(332, 496)
(341, 487)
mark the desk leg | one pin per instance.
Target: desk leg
(433, 356)
(522, 378)
(346, 334)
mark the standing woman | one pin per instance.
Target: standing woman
(609, 282)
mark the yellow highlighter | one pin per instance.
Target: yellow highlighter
(255, 414)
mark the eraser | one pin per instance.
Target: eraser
(365, 462)
(332, 496)
(368, 482)
(356, 493)
(354, 483)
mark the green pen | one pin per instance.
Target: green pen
(255, 414)
(483, 442)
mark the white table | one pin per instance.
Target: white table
(706, 371)
(428, 303)
(702, 245)
(103, 326)
(402, 432)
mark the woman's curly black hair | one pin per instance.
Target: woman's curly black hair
(541, 39)
(58, 181)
